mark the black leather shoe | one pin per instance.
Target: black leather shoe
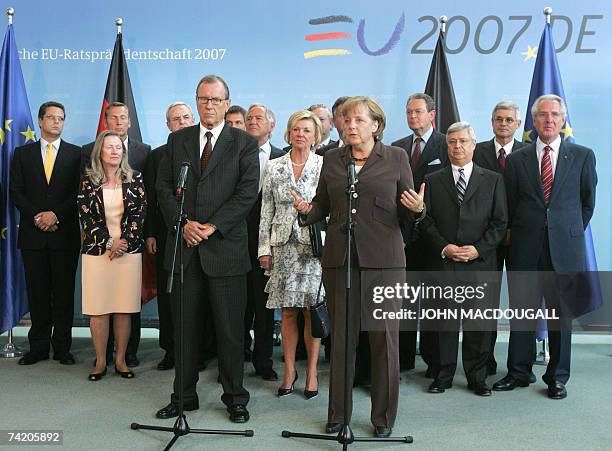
(94, 377)
(172, 410)
(167, 363)
(382, 431)
(532, 378)
(238, 413)
(125, 374)
(480, 388)
(438, 387)
(509, 383)
(31, 358)
(332, 428)
(131, 360)
(268, 374)
(557, 390)
(287, 391)
(65, 359)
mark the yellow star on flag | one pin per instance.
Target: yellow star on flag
(1, 136)
(30, 135)
(531, 52)
(567, 131)
(7, 124)
(527, 136)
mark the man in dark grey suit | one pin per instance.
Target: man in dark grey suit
(260, 122)
(466, 220)
(221, 190)
(551, 198)
(43, 186)
(492, 154)
(117, 119)
(426, 148)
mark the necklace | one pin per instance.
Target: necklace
(298, 165)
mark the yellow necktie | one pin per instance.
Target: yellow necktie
(49, 162)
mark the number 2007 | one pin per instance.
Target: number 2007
(209, 54)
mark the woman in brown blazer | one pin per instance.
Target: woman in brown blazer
(384, 195)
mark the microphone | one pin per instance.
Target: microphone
(352, 178)
(182, 180)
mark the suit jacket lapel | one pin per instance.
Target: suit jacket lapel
(490, 155)
(60, 159)
(475, 180)
(191, 148)
(450, 184)
(564, 163)
(533, 172)
(223, 144)
(37, 157)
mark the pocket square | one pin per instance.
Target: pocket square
(432, 162)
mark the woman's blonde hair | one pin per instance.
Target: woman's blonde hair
(96, 172)
(300, 115)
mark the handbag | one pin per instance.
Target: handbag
(319, 317)
(317, 237)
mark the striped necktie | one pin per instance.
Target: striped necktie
(49, 162)
(461, 186)
(546, 174)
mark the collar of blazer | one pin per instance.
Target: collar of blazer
(377, 153)
(191, 147)
(57, 165)
(531, 166)
(473, 183)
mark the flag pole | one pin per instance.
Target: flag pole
(9, 350)
(548, 14)
(119, 23)
(443, 20)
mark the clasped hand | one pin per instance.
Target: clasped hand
(461, 253)
(118, 248)
(46, 221)
(194, 232)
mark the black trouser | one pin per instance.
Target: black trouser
(475, 349)
(164, 310)
(50, 278)
(261, 318)
(227, 298)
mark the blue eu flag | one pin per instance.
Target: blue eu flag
(547, 80)
(16, 129)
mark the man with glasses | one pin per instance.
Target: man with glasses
(492, 154)
(43, 186)
(427, 152)
(221, 189)
(551, 197)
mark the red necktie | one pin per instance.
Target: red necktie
(501, 159)
(546, 174)
(206, 152)
(416, 153)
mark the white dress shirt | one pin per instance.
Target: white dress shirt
(467, 172)
(43, 148)
(215, 135)
(554, 154)
(507, 148)
(264, 156)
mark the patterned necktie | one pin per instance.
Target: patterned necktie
(546, 174)
(461, 186)
(49, 162)
(501, 159)
(206, 152)
(416, 153)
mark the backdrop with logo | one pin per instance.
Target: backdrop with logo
(289, 55)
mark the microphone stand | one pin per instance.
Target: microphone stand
(345, 437)
(181, 427)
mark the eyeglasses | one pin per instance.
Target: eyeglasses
(54, 118)
(418, 112)
(507, 120)
(214, 100)
(184, 117)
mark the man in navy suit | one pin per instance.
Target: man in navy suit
(492, 154)
(260, 122)
(551, 197)
(427, 152)
(44, 185)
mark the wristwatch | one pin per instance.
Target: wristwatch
(109, 243)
